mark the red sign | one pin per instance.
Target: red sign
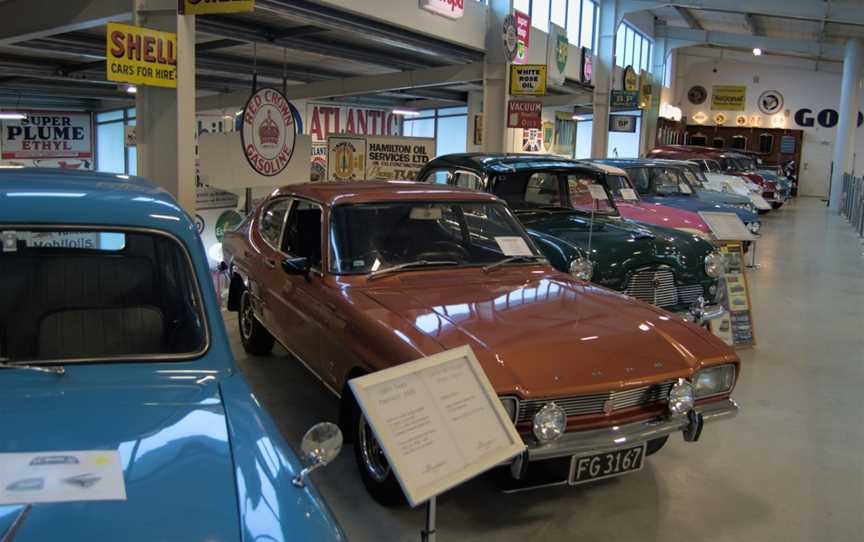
(523, 33)
(524, 114)
(269, 132)
(326, 119)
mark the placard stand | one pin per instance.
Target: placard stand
(428, 534)
(753, 264)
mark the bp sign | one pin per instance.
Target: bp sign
(269, 132)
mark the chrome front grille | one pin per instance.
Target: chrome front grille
(655, 286)
(690, 293)
(599, 403)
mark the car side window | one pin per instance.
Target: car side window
(272, 220)
(303, 233)
(466, 179)
(543, 189)
(437, 176)
(640, 179)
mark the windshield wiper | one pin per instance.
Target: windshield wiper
(416, 263)
(505, 261)
(58, 370)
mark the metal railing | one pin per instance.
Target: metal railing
(852, 206)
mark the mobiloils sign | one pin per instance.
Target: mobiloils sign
(47, 134)
(269, 132)
(452, 9)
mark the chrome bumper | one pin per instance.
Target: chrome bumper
(609, 438)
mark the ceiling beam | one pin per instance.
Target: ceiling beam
(685, 37)
(31, 19)
(689, 18)
(836, 11)
(753, 25)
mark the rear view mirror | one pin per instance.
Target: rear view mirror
(320, 445)
(296, 266)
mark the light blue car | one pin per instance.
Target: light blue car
(111, 339)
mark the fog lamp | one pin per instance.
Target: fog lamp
(681, 397)
(582, 268)
(550, 423)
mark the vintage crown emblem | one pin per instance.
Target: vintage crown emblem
(268, 132)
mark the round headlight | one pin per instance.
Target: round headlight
(754, 227)
(681, 397)
(582, 268)
(715, 265)
(550, 423)
(714, 380)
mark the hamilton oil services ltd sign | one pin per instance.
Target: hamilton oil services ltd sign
(141, 56)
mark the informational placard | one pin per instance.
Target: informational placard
(597, 192)
(728, 97)
(557, 53)
(622, 123)
(524, 114)
(523, 36)
(528, 79)
(452, 9)
(628, 194)
(513, 246)
(141, 56)
(377, 158)
(438, 421)
(47, 134)
(726, 226)
(206, 7)
(736, 326)
(61, 476)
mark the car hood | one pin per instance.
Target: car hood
(546, 335)
(695, 205)
(712, 196)
(660, 215)
(173, 444)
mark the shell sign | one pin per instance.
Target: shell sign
(141, 56)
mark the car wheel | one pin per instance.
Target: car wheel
(374, 469)
(256, 340)
(655, 445)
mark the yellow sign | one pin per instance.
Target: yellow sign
(630, 82)
(141, 56)
(204, 7)
(646, 89)
(528, 79)
(728, 97)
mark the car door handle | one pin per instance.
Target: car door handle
(270, 263)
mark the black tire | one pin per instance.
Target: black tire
(655, 445)
(256, 339)
(374, 470)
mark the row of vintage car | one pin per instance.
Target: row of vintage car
(112, 339)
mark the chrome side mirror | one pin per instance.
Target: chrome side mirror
(321, 444)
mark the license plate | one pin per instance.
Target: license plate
(588, 468)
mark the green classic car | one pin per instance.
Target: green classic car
(572, 218)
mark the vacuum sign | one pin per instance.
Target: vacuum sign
(141, 56)
(48, 134)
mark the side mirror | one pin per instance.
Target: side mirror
(320, 445)
(296, 266)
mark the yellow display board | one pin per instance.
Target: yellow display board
(204, 7)
(528, 79)
(141, 56)
(728, 97)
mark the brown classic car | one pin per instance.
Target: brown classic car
(353, 278)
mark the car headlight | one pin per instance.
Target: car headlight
(715, 265)
(511, 405)
(698, 233)
(681, 397)
(582, 268)
(754, 227)
(714, 380)
(550, 423)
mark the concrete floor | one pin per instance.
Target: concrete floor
(789, 468)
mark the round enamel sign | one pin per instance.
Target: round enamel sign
(269, 132)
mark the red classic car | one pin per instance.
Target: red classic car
(358, 277)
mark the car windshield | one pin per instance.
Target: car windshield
(693, 175)
(712, 165)
(92, 295)
(669, 182)
(368, 237)
(553, 189)
(621, 190)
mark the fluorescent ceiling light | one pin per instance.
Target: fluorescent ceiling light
(12, 115)
(406, 112)
(132, 89)
(579, 117)
(757, 51)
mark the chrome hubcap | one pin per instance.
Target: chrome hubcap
(373, 456)
(247, 316)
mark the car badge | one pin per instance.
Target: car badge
(608, 407)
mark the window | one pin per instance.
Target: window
(540, 14)
(577, 17)
(558, 12)
(586, 194)
(718, 142)
(766, 143)
(449, 127)
(699, 140)
(272, 219)
(640, 179)
(112, 155)
(739, 142)
(543, 189)
(466, 179)
(438, 176)
(522, 5)
(303, 233)
(632, 48)
(587, 32)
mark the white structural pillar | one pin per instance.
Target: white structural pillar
(166, 122)
(604, 65)
(495, 75)
(844, 144)
(648, 136)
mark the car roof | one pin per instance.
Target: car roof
(643, 162)
(58, 196)
(507, 162)
(606, 167)
(335, 193)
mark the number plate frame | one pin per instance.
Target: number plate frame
(574, 464)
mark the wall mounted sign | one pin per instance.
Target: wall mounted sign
(741, 120)
(141, 56)
(324, 119)
(646, 89)
(438, 420)
(204, 7)
(729, 97)
(700, 117)
(557, 52)
(47, 134)
(770, 102)
(346, 158)
(826, 118)
(623, 99)
(787, 144)
(532, 140)
(452, 9)
(523, 35)
(377, 157)
(269, 132)
(478, 129)
(528, 79)
(524, 114)
(697, 95)
(720, 119)
(511, 38)
(587, 73)
(622, 123)
(548, 135)
(629, 81)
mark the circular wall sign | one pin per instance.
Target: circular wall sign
(227, 221)
(269, 132)
(697, 95)
(720, 119)
(770, 102)
(741, 120)
(511, 39)
(631, 82)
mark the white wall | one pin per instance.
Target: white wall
(804, 84)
